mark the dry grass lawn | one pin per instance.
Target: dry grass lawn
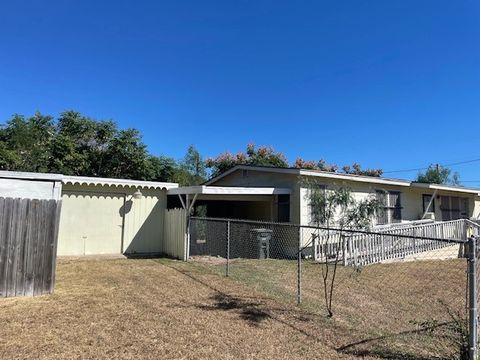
(165, 309)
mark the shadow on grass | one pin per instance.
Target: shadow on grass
(373, 347)
(257, 309)
(248, 310)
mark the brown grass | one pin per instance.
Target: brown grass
(118, 308)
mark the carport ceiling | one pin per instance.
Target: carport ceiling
(204, 192)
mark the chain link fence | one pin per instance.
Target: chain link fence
(396, 294)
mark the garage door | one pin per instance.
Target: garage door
(91, 223)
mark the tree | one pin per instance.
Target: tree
(126, 157)
(162, 168)
(192, 169)
(336, 208)
(79, 145)
(261, 156)
(25, 143)
(438, 174)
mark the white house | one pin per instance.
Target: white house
(284, 197)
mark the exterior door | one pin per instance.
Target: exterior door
(91, 223)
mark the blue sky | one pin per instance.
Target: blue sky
(390, 84)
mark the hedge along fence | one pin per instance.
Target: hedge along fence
(28, 246)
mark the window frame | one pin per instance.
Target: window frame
(433, 202)
(392, 213)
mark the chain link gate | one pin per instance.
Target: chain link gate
(389, 288)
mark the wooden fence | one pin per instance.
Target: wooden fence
(387, 245)
(175, 238)
(28, 245)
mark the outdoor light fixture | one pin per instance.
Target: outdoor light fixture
(137, 194)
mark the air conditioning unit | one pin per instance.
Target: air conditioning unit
(429, 216)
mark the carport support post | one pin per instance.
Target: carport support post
(299, 268)
(472, 299)
(227, 269)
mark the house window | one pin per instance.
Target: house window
(283, 208)
(426, 201)
(454, 208)
(392, 207)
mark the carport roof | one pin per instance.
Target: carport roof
(228, 190)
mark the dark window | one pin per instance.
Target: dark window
(283, 208)
(454, 208)
(392, 207)
(426, 200)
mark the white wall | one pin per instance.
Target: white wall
(411, 199)
(143, 218)
(32, 189)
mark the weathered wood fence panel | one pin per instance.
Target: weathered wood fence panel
(28, 246)
(175, 237)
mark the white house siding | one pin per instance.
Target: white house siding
(98, 219)
(411, 199)
(268, 179)
(28, 188)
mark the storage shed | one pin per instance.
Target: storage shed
(111, 216)
(99, 215)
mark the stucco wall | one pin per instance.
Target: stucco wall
(411, 199)
(141, 220)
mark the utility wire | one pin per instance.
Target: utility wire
(425, 168)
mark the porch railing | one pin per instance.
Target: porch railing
(392, 244)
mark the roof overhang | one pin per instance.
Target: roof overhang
(81, 180)
(20, 175)
(446, 188)
(228, 190)
(355, 178)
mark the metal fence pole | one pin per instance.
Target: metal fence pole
(299, 268)
(472, 297)
(227, 269)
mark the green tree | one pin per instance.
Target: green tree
(438, 174)
(126, 157)
(80, 145)
(25, 143)
(191, 170)
(162, 168)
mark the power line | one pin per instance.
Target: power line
(425, 168)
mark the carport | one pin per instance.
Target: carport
(249, 203)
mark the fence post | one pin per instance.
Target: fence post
(227, 269)
(186, 251)
(472, 299)
(299, 268)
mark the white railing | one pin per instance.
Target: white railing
(389, 245)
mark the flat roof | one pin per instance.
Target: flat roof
(86, 180)
(228, 190)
